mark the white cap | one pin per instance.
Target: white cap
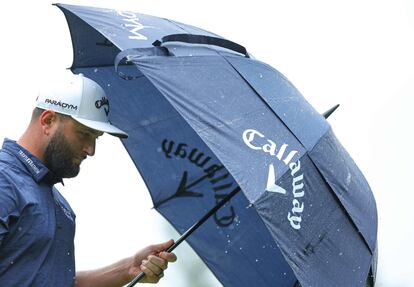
(82, 99)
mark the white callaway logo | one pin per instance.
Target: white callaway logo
(257, 141)
(271, 185)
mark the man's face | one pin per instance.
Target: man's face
(68, 147)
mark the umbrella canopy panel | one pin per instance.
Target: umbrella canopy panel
(329, 157)
(98, 34)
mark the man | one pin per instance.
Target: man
(37, 225)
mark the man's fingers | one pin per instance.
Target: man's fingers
(153, 260)
(156, 264)
(150, 276)
(168, 256)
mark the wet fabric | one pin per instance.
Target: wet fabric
(203, 120)
(37, 225)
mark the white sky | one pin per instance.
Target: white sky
(355, 53)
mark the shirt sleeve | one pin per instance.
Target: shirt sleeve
(8, 206)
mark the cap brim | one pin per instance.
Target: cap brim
(103, 127)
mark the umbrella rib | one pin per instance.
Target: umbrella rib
(264, 101)
(98, 66)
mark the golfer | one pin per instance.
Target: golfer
(37, 225)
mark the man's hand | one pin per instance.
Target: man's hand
(152, 260)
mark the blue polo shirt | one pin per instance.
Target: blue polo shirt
(37, 225)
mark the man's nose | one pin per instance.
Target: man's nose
(89, 148)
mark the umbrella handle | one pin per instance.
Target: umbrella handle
(191, 230)
(203, 39)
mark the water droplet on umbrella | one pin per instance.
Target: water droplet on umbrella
(284, 273)
(68, 253)
(19, 229)
(260, 76)
(264, 246)
(257, 260)
(241, 248)
(95, 70)
(11, 262)
(340, 254)
(109, 85)
(226, 251)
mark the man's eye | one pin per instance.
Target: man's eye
(87, 135)
(83, 134)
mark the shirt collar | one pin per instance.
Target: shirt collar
(34, 165)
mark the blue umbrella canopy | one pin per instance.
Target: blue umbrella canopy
(204, 118)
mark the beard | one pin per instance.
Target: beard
(59, 157)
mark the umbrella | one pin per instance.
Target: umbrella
(205, 120)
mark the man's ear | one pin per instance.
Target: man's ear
(48, 120)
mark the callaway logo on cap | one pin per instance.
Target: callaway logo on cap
(83, 100)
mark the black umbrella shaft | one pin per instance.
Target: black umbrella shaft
(191, 230)
(203, 219)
